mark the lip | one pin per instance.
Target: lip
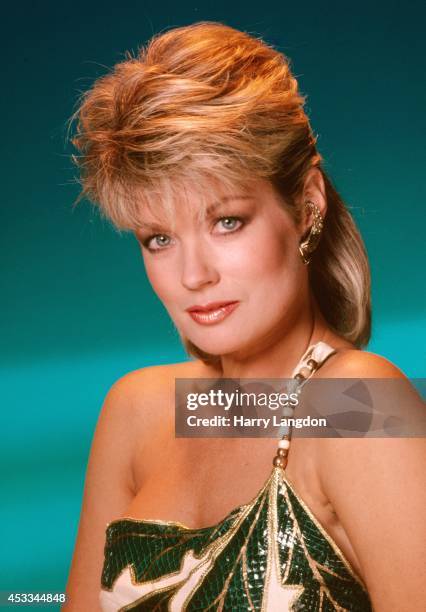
(212, 313)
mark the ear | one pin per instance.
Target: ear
(313, 190)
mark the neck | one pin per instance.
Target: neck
(277, 359)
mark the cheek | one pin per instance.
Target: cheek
(266, 258)
(160, 278)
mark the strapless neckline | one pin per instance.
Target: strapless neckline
(235, 513)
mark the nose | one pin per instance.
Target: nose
(198, 266)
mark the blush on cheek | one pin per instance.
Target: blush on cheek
(273, 259)
(157, 277)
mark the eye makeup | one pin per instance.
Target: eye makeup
(223, 219)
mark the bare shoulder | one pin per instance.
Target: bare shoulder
(138, 393)
(153, 377)
(140, 405)
(129, 419)
(375, 486)
(355, 363)
(340, 455)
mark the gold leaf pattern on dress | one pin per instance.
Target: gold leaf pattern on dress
(270, 554)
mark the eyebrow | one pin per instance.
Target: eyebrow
(147, 225)
(156, 227)
(225, 200)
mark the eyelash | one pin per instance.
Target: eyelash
(147, 241)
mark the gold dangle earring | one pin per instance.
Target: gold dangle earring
(310, 243)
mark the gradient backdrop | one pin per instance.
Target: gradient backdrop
(77, 309)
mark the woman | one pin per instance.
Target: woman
(201, 147)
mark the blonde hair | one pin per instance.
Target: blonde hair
(208, 102)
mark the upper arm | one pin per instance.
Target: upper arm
(107, 492)
(376, 487)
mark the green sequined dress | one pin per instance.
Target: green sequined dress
(269, 555)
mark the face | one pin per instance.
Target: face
(232, 281)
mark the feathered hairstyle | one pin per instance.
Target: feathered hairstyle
(208, 102)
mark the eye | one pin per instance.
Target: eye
(157, 242)
(226, 225)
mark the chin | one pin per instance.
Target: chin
(217, 346)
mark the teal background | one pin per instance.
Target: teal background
(78, 312)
